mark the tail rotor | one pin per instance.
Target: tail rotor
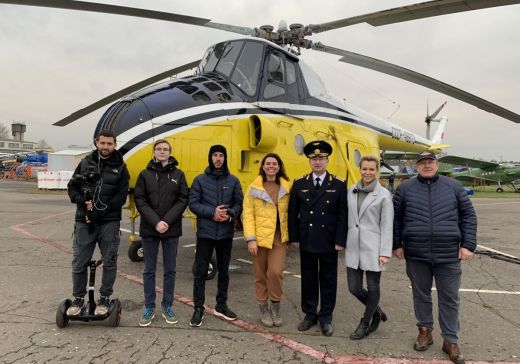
(431, 118)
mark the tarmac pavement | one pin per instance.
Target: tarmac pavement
(35, 235)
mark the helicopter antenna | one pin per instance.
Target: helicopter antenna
(396, 110)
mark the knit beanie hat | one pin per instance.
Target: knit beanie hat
(214, 149)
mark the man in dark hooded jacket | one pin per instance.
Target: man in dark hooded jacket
(216, 198)
(161, 196)
(99, 188)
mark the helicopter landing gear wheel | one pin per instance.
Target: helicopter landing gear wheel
(135, 251)
(212, 269)
(62, 320)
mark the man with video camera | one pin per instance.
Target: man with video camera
(99, 188)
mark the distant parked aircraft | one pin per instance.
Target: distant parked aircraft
(489, 173)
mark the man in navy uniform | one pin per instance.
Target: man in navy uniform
(318, 225)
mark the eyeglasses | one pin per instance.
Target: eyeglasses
(318, 159)
(162, 149)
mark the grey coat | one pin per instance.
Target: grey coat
(369, 232)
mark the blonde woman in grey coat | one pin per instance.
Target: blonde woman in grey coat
(369, 242)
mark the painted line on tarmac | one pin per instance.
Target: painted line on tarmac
(244, 261)
(128, 231)
(478, 290)
(248, 326)
(292, 344)
(487, 291)
(495, 251)
(18, 228)
(250, 262)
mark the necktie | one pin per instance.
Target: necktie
(317, 183)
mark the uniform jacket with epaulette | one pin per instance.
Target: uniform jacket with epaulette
(318, 218)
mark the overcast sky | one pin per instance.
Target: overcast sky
(53, 62)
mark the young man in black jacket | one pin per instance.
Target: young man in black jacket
(435, 228)
(99, 188)
(216, 198)
(161, 196)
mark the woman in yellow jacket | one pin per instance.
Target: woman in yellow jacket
(266, 202)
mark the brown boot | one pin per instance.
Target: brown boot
(453, 351)
(424, 339)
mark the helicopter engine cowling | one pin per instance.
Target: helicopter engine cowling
(263, 134)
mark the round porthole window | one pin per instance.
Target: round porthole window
(299, 143)
(357, 156)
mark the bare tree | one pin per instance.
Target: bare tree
(42, 144)
(4, 131)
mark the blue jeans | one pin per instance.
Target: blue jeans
(85, 239)
(151, 251)
(447, 281)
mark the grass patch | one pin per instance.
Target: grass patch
(494, 194)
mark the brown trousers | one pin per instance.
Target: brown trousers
(268, 266)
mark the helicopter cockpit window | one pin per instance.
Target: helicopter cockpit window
(246, 73)
(291, 73)
(229, 57)
(275, 70)
(212, 56)
(203, 65)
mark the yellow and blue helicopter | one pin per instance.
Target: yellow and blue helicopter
(254, 95)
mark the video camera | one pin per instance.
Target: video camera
(87, 184)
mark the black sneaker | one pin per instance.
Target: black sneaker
(76, 306)
(224, 312)
(102, 306)
(198, 315)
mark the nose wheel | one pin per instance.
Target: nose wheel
(212, 269)
(135, 251)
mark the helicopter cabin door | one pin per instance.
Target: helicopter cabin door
(191, 147)
(280, 79)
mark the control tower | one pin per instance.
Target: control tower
(18, 129)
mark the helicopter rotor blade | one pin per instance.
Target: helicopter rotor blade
(129, 11)
(411, 12)
(436, 112)
(417, 78)
(121, 93)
